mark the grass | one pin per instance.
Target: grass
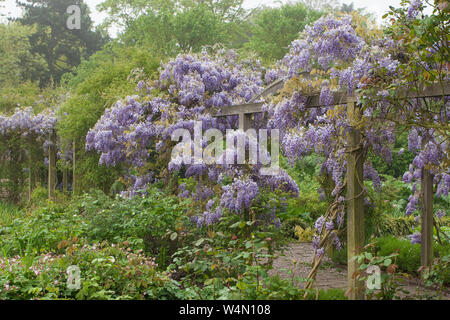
(9, 212)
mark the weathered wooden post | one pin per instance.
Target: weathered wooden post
(73, 168)
(245, 121)
(30, 174)
(65, 178)
(355, 205)
(427, 219)
(51, 167)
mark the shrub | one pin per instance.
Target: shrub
(408, 259)
(395, 226)
(151, 223)
(332, 294)
(288, 226)
(106, 272)
(41, 231)
(39, 196)
(304, 235)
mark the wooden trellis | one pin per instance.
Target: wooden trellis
(355, 162)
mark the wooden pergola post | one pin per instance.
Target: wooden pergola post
(65, 178)
(73, 169)
(30, 174)
(426, 242)
(51, 167)
(245, 121)
(355, 205)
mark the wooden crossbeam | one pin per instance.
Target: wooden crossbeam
(269, 91)
(339, 98)
(239, 109)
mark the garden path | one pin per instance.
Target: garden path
(329, 275)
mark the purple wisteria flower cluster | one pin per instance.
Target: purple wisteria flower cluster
(25, 122)
(188, 87)
(333, 56)
(429, 152)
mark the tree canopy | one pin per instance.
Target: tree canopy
(61, 47)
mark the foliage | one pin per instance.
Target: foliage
(438, 274)
(395, 226)
(236, 251)
(108, 271)
(17, 60)
(61, 47)
(171, 27)
(288, 226)
(153, 223)
(304, 235)
(8, 212)
(408, 259)
(273, 29)
(389, 280)
(97, 84)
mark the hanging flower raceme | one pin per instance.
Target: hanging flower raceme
(189, 87)
(331, 56)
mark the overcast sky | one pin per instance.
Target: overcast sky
(378, 7)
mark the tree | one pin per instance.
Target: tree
(273, 29)
(196, 27)
(323, 5)
(17, 62)
(169, 30)
(61, 47)
(347, 8)
(20, 69)
(124, 12)
(97, 83)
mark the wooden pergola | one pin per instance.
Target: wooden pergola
(355, 162)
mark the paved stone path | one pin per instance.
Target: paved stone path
(329, 274)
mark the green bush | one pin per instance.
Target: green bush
(39, 196)
(288, 226)
(147, 222)
(395, 226)
(332, 294)
(408, 259)
(106, 272)
(40, 231)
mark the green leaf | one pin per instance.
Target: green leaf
(368, 255)
(199, 242)
(387, 262)
(208, 282)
